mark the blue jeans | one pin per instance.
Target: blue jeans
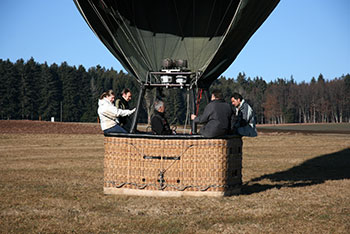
(116, 128)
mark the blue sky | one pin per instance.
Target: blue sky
(301, 38)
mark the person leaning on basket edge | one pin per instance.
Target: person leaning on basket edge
(243, 121)
(123, 103)
(216, 117)
(109, 114)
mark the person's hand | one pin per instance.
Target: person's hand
(193, 116)
(132, 111)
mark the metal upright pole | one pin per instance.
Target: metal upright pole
(193, 108)
(134, 121)
(206, 94)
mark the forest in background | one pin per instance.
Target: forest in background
(29, 90)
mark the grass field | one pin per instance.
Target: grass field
(341, 128)
(293, 183)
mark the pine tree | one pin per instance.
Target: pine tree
(9, 90)
(30, 90)
(50, 93)
(88, 107)
(70, 90)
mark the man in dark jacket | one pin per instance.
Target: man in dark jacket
(216, 117)
(159, 123)
(123, 103)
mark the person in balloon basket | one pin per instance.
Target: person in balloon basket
(243, 121)
(216, 117)
(159, 124)
(109, 113)
(123, 103)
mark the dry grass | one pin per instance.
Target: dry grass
(292, 184)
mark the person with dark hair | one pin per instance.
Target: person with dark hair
(109, 114)
(243, 121)
(123, 103)
(216, 117)
(159, 124)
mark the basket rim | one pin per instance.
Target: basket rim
(177, 136)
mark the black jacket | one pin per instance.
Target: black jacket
(125, 121)
(216, 119)
(159, 124)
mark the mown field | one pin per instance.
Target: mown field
(292, 183)
(336, 128)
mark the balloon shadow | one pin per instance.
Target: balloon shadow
(334, 166)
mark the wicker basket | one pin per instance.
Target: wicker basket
(172, 167)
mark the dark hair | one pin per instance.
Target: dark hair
(217, 93)
(237, 96)
(125, 91)
(107, 94)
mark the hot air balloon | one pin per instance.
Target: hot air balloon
(182, 44)
(175, 43)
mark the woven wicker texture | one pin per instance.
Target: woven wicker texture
(173, 164)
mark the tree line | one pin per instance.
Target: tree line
(29, 90)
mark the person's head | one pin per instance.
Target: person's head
(108, 95)
(216, 95)
(126, 94)
(236, 99)
(159, 106)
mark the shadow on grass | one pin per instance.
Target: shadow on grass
(335, 166)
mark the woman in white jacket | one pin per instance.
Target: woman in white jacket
(109, 114)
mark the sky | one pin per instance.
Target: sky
(300, 39)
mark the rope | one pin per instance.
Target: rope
(179, 157)
(162, 186)
(178, 188)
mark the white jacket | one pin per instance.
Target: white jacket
(108, 113)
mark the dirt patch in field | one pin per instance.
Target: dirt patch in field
(45, 127)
